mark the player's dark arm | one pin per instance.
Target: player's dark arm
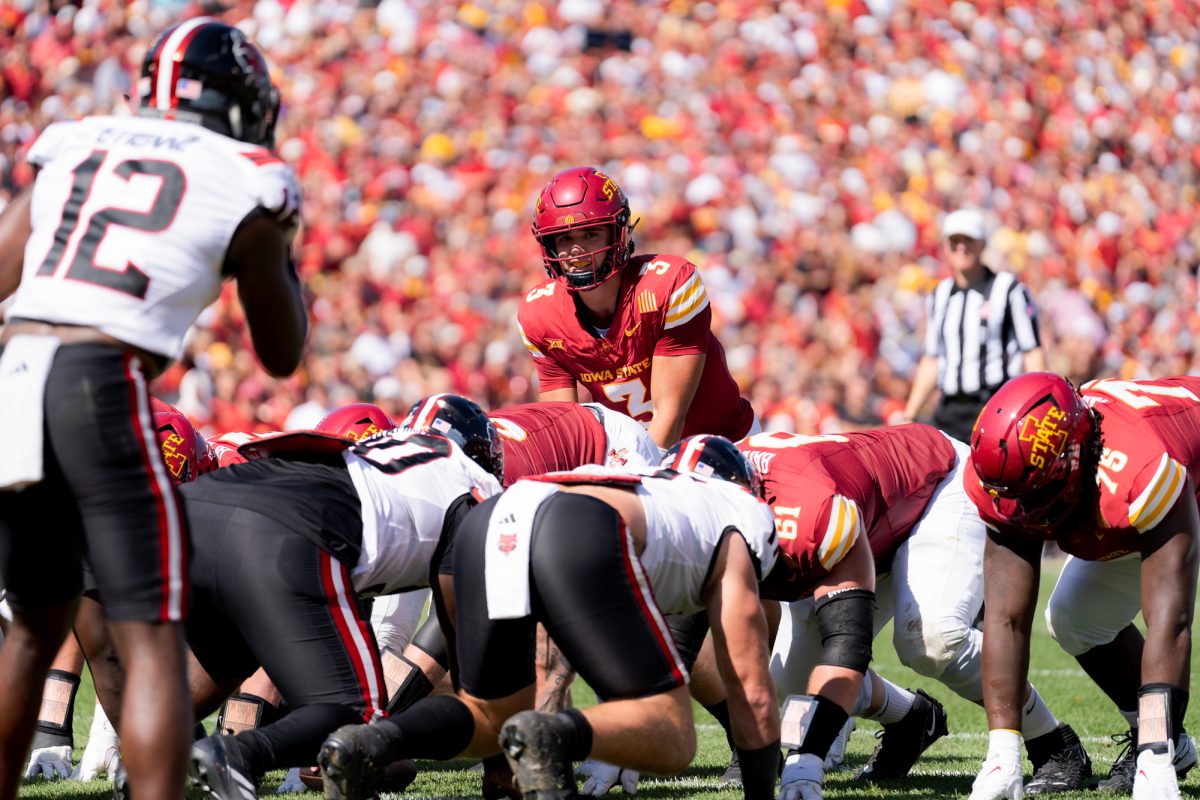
(259, 258)
(673, 383)
(1169, 594)
(739, 631)
(1010, 584)
(15, 228)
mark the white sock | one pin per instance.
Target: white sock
(896, 703)
(1036, 717)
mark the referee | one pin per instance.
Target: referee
(981, 329)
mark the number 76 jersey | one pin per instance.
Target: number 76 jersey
(1150, 432)
(132, 218)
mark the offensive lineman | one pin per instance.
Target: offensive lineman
(873, 525)
(130, 228)
(1110, 473)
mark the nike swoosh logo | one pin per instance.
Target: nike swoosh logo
(631, 331)
(932, 725)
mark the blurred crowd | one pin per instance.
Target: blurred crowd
(800, 153)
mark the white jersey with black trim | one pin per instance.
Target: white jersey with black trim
(686, 519)
(628, 443)
(406, 483)
(131, 220)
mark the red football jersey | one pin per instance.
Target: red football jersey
(662, 310)
(548, 437)
(1151, 435)
(225, 446)
(827, 491)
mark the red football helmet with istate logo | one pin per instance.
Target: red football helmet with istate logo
(583, 197)
(356, 421)
(184, 451)
(1032, 443)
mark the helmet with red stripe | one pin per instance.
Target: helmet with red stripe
(356, 421)
(578, 198)
(184, 451)
(1032, 443)
(714, 457)
(207, 72)
(463, 422)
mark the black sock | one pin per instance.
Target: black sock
(293, 741)
(438, 727)
(720, 712)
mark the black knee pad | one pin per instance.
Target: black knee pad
(429, 637)
(688, 632)
(845, 619)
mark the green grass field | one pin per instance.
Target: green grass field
(946, 770)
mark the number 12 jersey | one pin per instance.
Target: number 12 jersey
(132, 218)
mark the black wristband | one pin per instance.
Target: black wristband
(55, 718)
(760, 768)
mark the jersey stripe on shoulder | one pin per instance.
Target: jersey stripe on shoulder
(845, 526)
(530, 346)
(686, 302)
(1159, 496)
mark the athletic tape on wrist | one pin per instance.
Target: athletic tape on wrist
(58, 704)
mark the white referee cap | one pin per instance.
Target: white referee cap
(964, 222)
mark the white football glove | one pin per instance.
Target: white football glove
(1000, 776)
(602, 776)
(292, 783)
(50, 763)
(102, 755)
(1155, 777)
(803, 776)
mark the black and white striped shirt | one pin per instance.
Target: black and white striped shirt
(979, 334)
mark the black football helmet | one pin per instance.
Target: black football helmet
(207, 72)
(714, 457)
(463, 422)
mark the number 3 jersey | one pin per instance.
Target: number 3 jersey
(132, 218)
(1150, 431)
(662, 310)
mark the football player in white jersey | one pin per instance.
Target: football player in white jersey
(368, 520)
(597, 555)
(130, 227)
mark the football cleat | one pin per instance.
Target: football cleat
(733, 773)
(352, 762)
(1121, 774)
(218, 771)
(903, 742)
(1060, 764)
(535, 745)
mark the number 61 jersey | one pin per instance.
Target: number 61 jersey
(132, 218)
(1150, 431)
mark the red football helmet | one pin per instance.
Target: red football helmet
(1030, 447)
(184, 450)
(714, 457)
(583, 197)
(356, 421)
